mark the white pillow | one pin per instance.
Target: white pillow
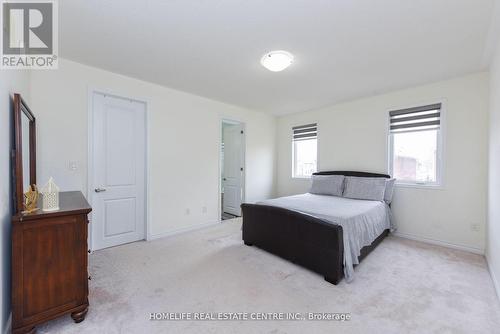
(389, 190)
(332, 185)
(367, 188)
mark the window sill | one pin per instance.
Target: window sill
(301, 177)
(420, 186)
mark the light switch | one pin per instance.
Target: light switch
(73, 166)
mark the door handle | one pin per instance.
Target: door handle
(98, 190)
(224, 179)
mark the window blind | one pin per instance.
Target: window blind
(303, 132)
(418, 118)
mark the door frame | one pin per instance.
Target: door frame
(90, 156)
(244, 155)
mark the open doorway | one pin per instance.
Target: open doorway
(232, 162)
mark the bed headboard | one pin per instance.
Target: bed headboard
(353, 173)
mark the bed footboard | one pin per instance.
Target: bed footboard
(303, 239)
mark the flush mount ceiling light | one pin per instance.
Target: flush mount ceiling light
(276, 61)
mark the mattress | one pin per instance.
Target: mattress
(362, 221)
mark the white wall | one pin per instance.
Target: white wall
(493, 233)
(353, 136)
(184, 138)
(11, 81)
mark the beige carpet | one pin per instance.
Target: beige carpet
(402, 287)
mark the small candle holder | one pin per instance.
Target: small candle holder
(50, 196)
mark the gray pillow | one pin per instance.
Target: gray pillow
(368, 188)
(327, 185)
(389, 190)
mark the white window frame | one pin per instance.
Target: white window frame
(439, 184)
(293, 150)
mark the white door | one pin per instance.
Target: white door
(118, 171)
(232, 180)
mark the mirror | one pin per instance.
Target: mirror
(24, 155)
(25, 132)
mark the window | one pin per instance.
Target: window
(304, 150)
(415, 145)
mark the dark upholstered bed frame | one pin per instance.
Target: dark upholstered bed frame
(300, 238)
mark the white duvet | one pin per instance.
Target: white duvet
(362, 221)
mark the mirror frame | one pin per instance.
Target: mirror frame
(20, 107)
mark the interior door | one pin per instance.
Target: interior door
(118, 175)
(232, 180)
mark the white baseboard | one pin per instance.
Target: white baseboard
(496, 283)
(183, 230)
(439, 243)
(8, 325)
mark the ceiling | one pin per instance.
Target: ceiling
(344, 49)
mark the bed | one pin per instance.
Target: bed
(326, 234)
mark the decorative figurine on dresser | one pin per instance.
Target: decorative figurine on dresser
(49, 244)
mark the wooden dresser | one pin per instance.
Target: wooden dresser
(49, 264)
